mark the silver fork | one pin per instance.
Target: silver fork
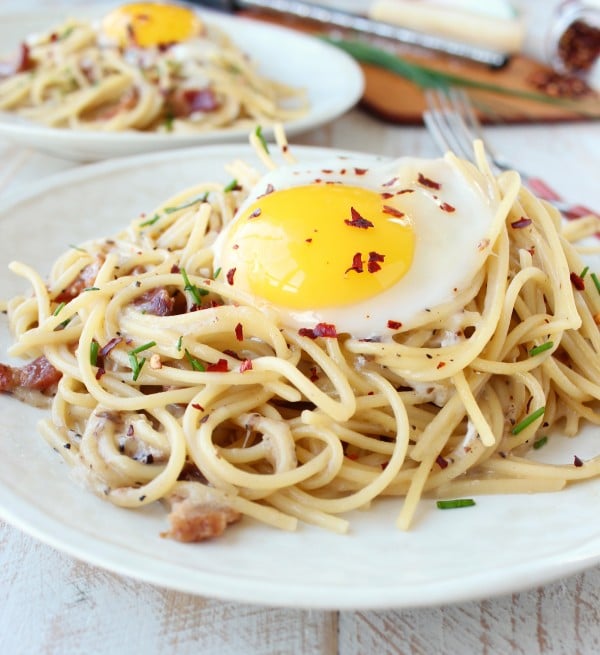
(453, 125)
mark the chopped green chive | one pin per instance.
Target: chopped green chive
(94, 347)
(150, 221)
(67, 33)
(92, 289)
(63, 325)
(216, 273)
(195, 201)
(528, 420)
(231, 186)
(179, 342)
(541, 348)
(261, 138)
(196, 364)
(596, 281)
(540, 443)
(584, 272)
(192, 288)
(457, 502)
(136, 365)
(58, 309)
(169, 118)
(143, 347)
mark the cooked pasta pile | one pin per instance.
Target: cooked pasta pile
(174, 389)
(75, 76)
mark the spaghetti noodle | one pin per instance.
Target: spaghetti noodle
(174, 388)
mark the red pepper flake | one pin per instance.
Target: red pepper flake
(239, 332)
(308, 240)
(357, 220)
(522, 222)
(100, 372)
(577, 282)
(390, 182)
(357, 264)
(392, 211)
(394, 325)
(360, 171)
(313, 374)
(402, 191)
(373, 265)
(198, 407)
(230, 275)
(384, 465)
(175, 269)
(327, 171)
(442, 463)
(317, 180)
(246, 365)
(270, 188)
(577, 462)
(108, 346)
(320, 330)
(386, 195)
(425, 181)
(447, 207)
(441, 365)
(352, 456)
(219, 367)
(257, 212)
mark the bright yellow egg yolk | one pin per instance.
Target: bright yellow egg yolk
(148, 24)
(319, 245)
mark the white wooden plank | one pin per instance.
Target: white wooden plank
(51, 603)
(562, 618)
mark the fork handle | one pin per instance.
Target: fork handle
(545, 192)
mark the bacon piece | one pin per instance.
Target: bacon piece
(185, 102)
(38, 374)
(126, 102)
(21, 63)
(157, 302)
(196, 522)
(85, 279)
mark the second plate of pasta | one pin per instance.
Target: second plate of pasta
(88, 110)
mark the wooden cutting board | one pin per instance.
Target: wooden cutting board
(397, 100)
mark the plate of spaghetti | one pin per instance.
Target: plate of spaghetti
(293, 376)
(140, 77)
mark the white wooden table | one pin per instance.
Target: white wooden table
(51, 603)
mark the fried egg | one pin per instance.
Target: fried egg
(150, 24)
(366, 247)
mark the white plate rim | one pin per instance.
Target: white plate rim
(15, 508)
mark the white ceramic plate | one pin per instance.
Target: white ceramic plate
(503, 544)
(332, 79)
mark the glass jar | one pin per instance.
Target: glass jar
(574, 40)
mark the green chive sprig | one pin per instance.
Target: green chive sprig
(191, 203)
(196, 364)
(596, 281)
(528, 420)
(541, 348)
(455, 503)
(94, 348)
(261, 137)
(192, 288)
